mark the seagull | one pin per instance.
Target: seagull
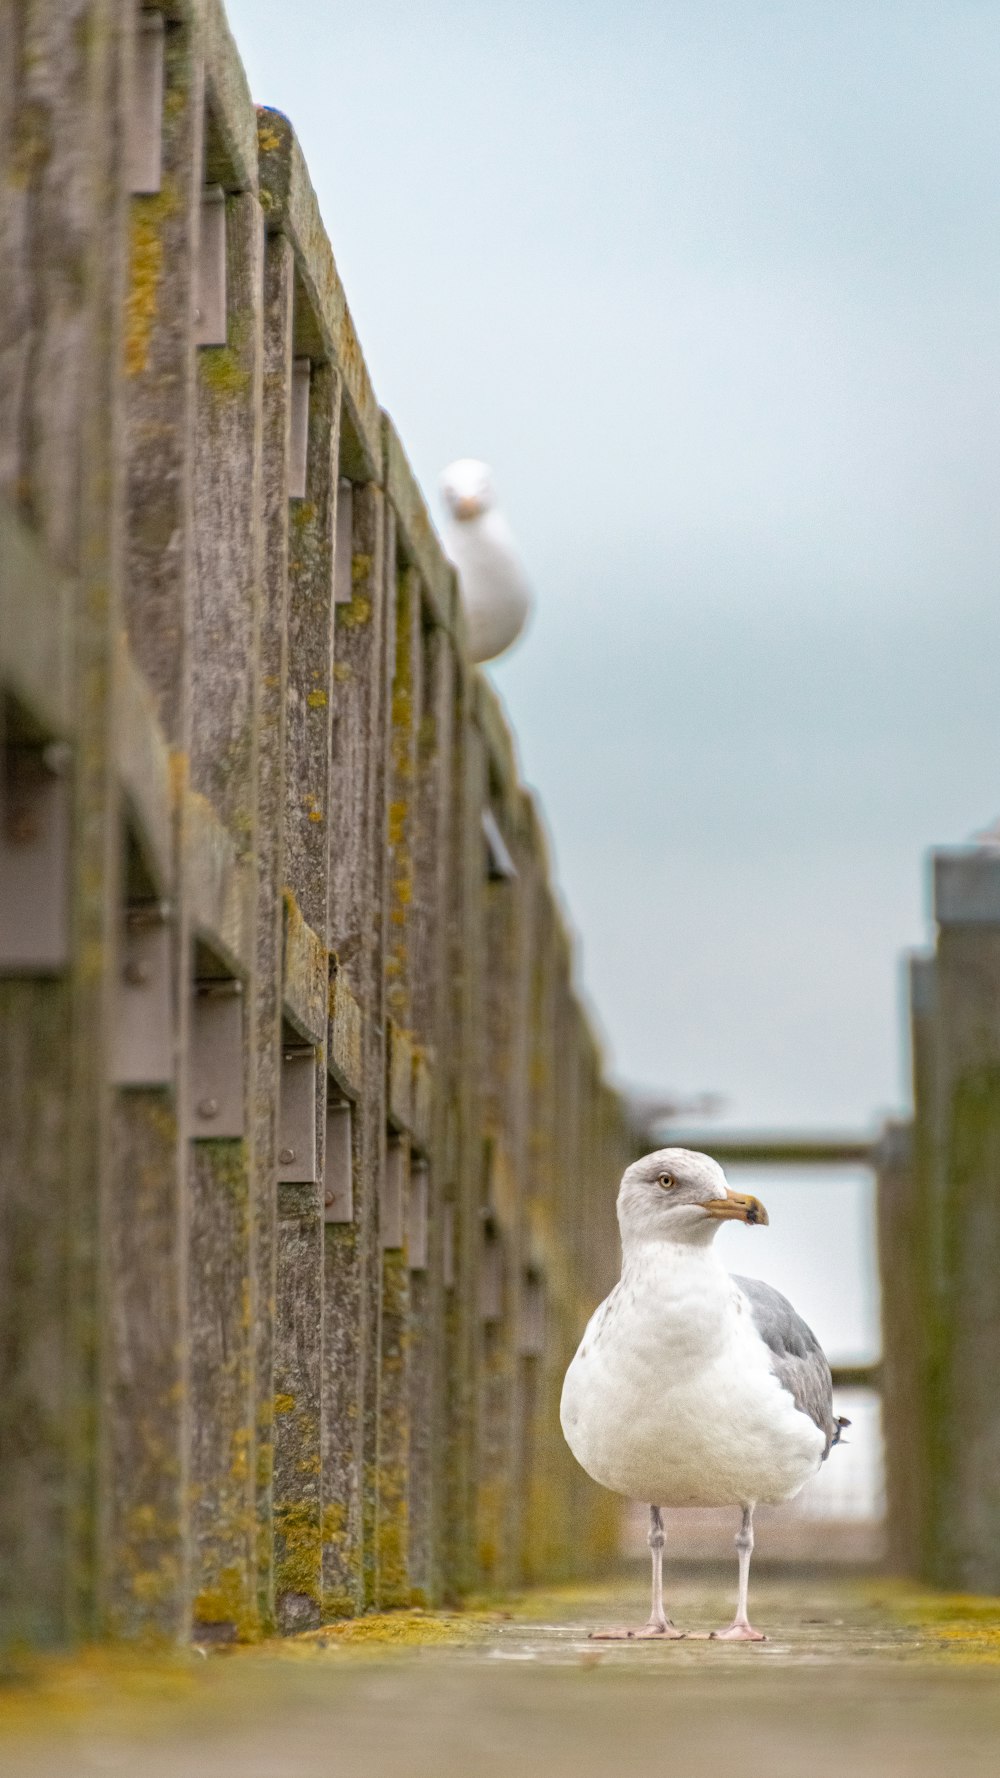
(692, 1387)
(478, 539)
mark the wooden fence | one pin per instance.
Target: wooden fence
(308, 1163)
(941, 1232)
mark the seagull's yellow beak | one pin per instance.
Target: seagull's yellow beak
(467, 506)
(736, 1207)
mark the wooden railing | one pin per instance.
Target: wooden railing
(308, 1162)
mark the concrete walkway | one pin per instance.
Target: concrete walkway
(857, 1679)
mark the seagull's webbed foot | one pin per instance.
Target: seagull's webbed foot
(738, 1632)
(657, 1630)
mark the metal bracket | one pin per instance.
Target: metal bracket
(297, 1117)
(143, 1035)
(215, 1061)
(500, 866)
(394, 1194)
(145, 120)
(35, 816)
(417, 1217)
(210, 269)
(338, 1164)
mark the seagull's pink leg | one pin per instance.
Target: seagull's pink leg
(741, 1629)
(659, 1626)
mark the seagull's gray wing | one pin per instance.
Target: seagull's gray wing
(797, 1358)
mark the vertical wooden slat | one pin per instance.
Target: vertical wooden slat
(271, 696)
(146, 1356)
(65, 81)
(430, 1001)
(225, 633)
(966, 1452)
(298, 1402)
(464, 1183)
(353, 1252)
(392, 1508)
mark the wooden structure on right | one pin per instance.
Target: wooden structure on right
(939, 1238)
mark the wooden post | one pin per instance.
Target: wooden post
(225, 623)
(430, 1023)
(272, 693)
(392, 1510)
(298, 1436)
(966, 1549)
(902, 1239)
(353, 1252)
(147, 1564)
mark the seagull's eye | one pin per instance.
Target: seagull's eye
(666, 1180)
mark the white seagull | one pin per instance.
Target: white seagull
(477, 537)
(692, 1387)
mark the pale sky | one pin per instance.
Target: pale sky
(714, 285)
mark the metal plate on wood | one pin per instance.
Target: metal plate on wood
(500, 866)
(143, 1052)
(338, 1164)
(297, 1118)
(394, 1194)
(35, 814)
(145, 120)
(215, 1061)
(416, 1217)
(210, 270)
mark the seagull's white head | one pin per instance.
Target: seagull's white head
(467, 488)
(676, 1194)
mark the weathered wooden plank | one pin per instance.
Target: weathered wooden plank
(352, 1303)
(291, 206)
(298, 1428)
(306, 986)
(963, 1405)
(224, 682)
(35, 630)
(272, 669)
(392, 1510)
(146, 1581)
(231, 146)
(462, 1193)
(417, 535)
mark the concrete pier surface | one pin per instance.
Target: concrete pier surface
(858, 1677)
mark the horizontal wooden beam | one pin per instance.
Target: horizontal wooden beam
(857, 1376)
(779, 1149)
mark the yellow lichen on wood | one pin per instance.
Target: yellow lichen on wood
(298, 1550)
(148, 216)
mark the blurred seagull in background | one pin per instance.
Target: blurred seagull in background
(495, 593)
(692, 1387)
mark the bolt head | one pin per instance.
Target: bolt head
(208, 1108)
(286, 1156)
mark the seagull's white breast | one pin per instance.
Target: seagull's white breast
(671, 1399)
(495, 593)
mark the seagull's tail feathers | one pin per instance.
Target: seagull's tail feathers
(839, 1425)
